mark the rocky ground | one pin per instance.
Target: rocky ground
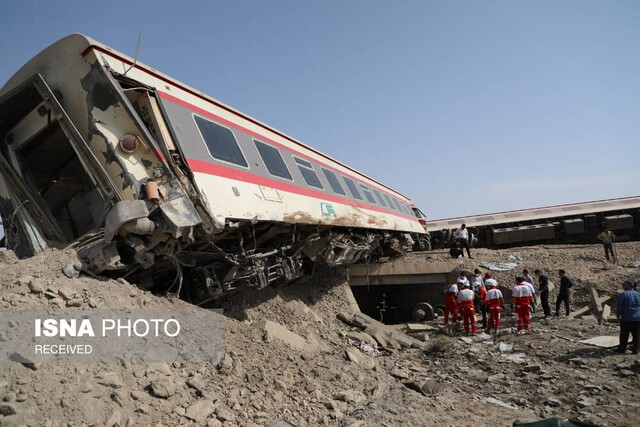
(289, 358)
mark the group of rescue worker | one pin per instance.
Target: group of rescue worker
(481, 293)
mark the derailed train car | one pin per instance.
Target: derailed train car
(149, 178)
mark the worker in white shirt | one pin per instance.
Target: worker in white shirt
(496, 301)
(462, 234)
(465, 303)
(462, 279)
(522, 297)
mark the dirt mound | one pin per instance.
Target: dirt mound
(289, 357)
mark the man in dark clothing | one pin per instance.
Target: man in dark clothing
(456, 249)
(565, 286)
(543, 281)
(628, 312)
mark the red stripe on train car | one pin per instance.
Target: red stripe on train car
(227, 172)
(263, 138)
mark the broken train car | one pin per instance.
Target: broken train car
(150, 179)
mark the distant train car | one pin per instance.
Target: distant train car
(569, 223)
(147, 177)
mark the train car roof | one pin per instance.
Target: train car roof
(536, 213)
(88, 44)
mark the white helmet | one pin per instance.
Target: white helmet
(490, 283)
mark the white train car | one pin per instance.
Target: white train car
(148, 177)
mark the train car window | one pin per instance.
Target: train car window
(407, 209)
(220, 142)
(367, 194)
(352, 188)
(395, 204)
(419, 213)
(379, 197)
(388, 199)
(272, 160)
(333, 181)
(309, 175)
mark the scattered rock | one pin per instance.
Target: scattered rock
(200, 410)
(66, 292)
(586, 402)
(197, 382)
(274, 330)
(163, 388)
(70, 271)
(225, 414)
(36, 286)
(138, 395)
(75, 302)
(7, 409)
(400, 373)
(428, 388)
(111, 379)
(553, 402)
(362, 337)
(351, 396)
(356, 356)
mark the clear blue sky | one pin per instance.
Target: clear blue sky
(466, 107)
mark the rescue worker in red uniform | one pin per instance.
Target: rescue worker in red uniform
(522, 297)
(465, 303)
(451, 306)
(495, 301)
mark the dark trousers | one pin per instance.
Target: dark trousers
(608, 249)
(563, 296)
(482, 309)
(544, 300)
(627, 328)
(465, 244)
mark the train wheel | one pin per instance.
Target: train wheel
(440, 310)
(423, 311)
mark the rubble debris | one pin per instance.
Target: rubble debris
(498, 402)
(385, 336)
(354, 355)
(428, 388)
(504, 347)
(419, 327)
(163, 388)
(515, 257)
(7, 409)
(258, 383)
(111, 379)
(36, 286)
(273, 330)
(71, 270)
(604, 341)
(500, 266)
(588, 308)
(200, 410)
